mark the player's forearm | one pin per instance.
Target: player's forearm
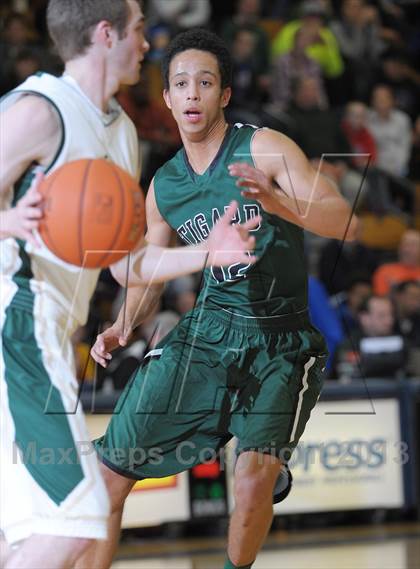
(159, 264)
(329, 217)
(139, 303)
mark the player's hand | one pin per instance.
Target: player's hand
(23, 220)
(257, 186)
(231, 243)
(112, 338)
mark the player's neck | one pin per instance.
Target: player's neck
(93, 80)
(201, 152)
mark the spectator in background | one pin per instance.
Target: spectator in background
(339, 262)
(180, 294)
(318, 132)
(358, 135)
(347, 303)
(324, 317)
(376, 321)
(376, 317)
(323, 48)
(404, 80)
(357, 33)
(315, 128)
(180, 15)
(387, 276)
(406, 296)
(247, 15)
(391, 129)
(379, 186)
(414, 168)
(288, 68)
(247, 94)
(27, 62)
(17, 35)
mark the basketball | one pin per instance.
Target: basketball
(93, 213)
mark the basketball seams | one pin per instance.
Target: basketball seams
(85, 181)
(122, 214)
(89, 211)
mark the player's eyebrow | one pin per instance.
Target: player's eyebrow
(201, 72)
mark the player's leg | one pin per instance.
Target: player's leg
(273, 405)
(159, 427)
(48, 552)
(255, 476)
(52, 498)
(5, 550)
(101, 553)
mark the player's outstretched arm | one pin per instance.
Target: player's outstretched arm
(30, 133)
(226, 244)
(285, 184)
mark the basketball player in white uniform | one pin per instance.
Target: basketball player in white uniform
(52, 498)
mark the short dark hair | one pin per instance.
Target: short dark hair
(71, 22)
(203, 40)
(365, 307)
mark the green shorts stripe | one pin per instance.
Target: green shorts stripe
(42, 430)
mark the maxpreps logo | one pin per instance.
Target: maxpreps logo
(335, 455)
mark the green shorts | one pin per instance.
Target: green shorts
(213, 377)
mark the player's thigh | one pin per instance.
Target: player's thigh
(287, 387)
(44, 442)
(166, 415)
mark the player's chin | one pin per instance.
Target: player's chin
(133, 78)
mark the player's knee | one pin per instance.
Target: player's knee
(118, 487)
(253, 488)
(80, 546)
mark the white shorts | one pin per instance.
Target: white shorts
(50, 481)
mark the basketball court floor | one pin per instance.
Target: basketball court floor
(372, 547)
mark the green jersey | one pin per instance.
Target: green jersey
(191, 204)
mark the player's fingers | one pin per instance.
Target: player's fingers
(36, 182)
(229, 213)
(239, 168)
(30, 237)
(33, 213)
(252, 223)
(250, 243)
(99, 358)
(30, 224)
(32, 197)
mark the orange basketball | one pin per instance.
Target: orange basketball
(93, 213)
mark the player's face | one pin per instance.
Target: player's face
(195, 95)
(131, 48)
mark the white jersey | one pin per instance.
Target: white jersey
(87, 132)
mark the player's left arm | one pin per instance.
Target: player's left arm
(286, 184)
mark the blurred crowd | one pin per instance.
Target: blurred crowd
(341, 78)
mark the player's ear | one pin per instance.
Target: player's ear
(104, 34)
(226, 95)
(167, 98)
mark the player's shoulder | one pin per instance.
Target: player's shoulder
(35, 113)
(175, 167)
(268, 141)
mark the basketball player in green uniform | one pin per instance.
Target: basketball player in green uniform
(246, 362)
(53, 501)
